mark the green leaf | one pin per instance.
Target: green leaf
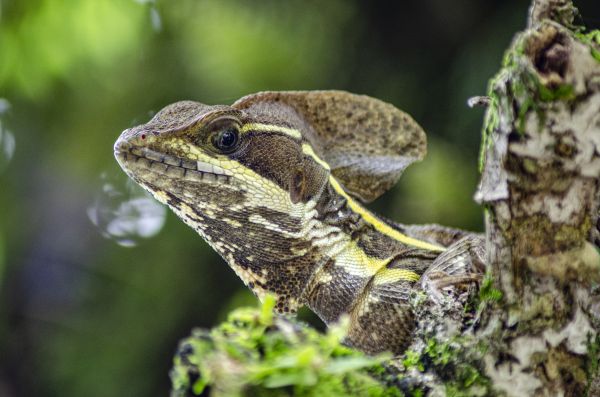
(348, 364)
(303, 378)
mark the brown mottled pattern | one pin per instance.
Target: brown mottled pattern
(180, 115)
(381, 326)
(272, 156)
(333, 292)
(269, 209)
(349, 129)
(413, 259)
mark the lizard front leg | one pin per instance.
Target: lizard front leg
(461, 265)
(382, 319)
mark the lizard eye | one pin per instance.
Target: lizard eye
(226, 139)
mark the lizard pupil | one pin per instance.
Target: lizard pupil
(227, 139)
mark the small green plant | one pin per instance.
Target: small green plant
(593, 358)
(487, 292)
(412, 359)
(592, 39)
(259, 354)
(447, 358)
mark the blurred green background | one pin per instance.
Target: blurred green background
(83, 315)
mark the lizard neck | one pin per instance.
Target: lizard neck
(358, 257)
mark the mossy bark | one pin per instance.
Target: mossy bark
(540, 185)
(532, 328)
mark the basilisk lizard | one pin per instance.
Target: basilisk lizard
(274, 183)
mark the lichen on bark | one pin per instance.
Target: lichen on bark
(540, 187)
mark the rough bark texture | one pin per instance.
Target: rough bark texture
(532, 327)
(540, 187)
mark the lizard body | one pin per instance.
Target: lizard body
(274, 182)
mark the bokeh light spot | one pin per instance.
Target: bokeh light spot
(7, 139)
(125, 213)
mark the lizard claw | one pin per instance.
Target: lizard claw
(444, 288)
(456, 270)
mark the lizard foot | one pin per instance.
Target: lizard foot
(455, 271)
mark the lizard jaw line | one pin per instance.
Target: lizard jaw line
(134, 158)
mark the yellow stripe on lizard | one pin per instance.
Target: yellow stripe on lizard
(354, 260)
(271, 128)
(366, 214)
(390, 276)
(308, 150)
(380, 225)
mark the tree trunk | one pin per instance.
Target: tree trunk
(540, 188)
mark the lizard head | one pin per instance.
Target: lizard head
(252, 178)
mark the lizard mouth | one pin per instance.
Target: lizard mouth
(136, 160)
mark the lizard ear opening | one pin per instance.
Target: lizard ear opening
(307, 181)
(367, 143)
(298, 186)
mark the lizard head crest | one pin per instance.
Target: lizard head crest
(251, 178)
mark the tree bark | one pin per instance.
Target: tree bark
(540, 188)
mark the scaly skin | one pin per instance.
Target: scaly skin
(272, 183)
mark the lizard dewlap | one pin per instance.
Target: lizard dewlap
(275, 184)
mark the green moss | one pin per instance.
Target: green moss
(447, 358)
(565, 14)
(532, 95)
(525, 108)
(513, 55)
(490, 123)
(412, 360)
(591, 39)
(487, 292)
(495, 92)
(418, 392)
(594, 36)
(255, 353)
(593, 359)
(517, 90)
(438, 352)
(563, 92)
